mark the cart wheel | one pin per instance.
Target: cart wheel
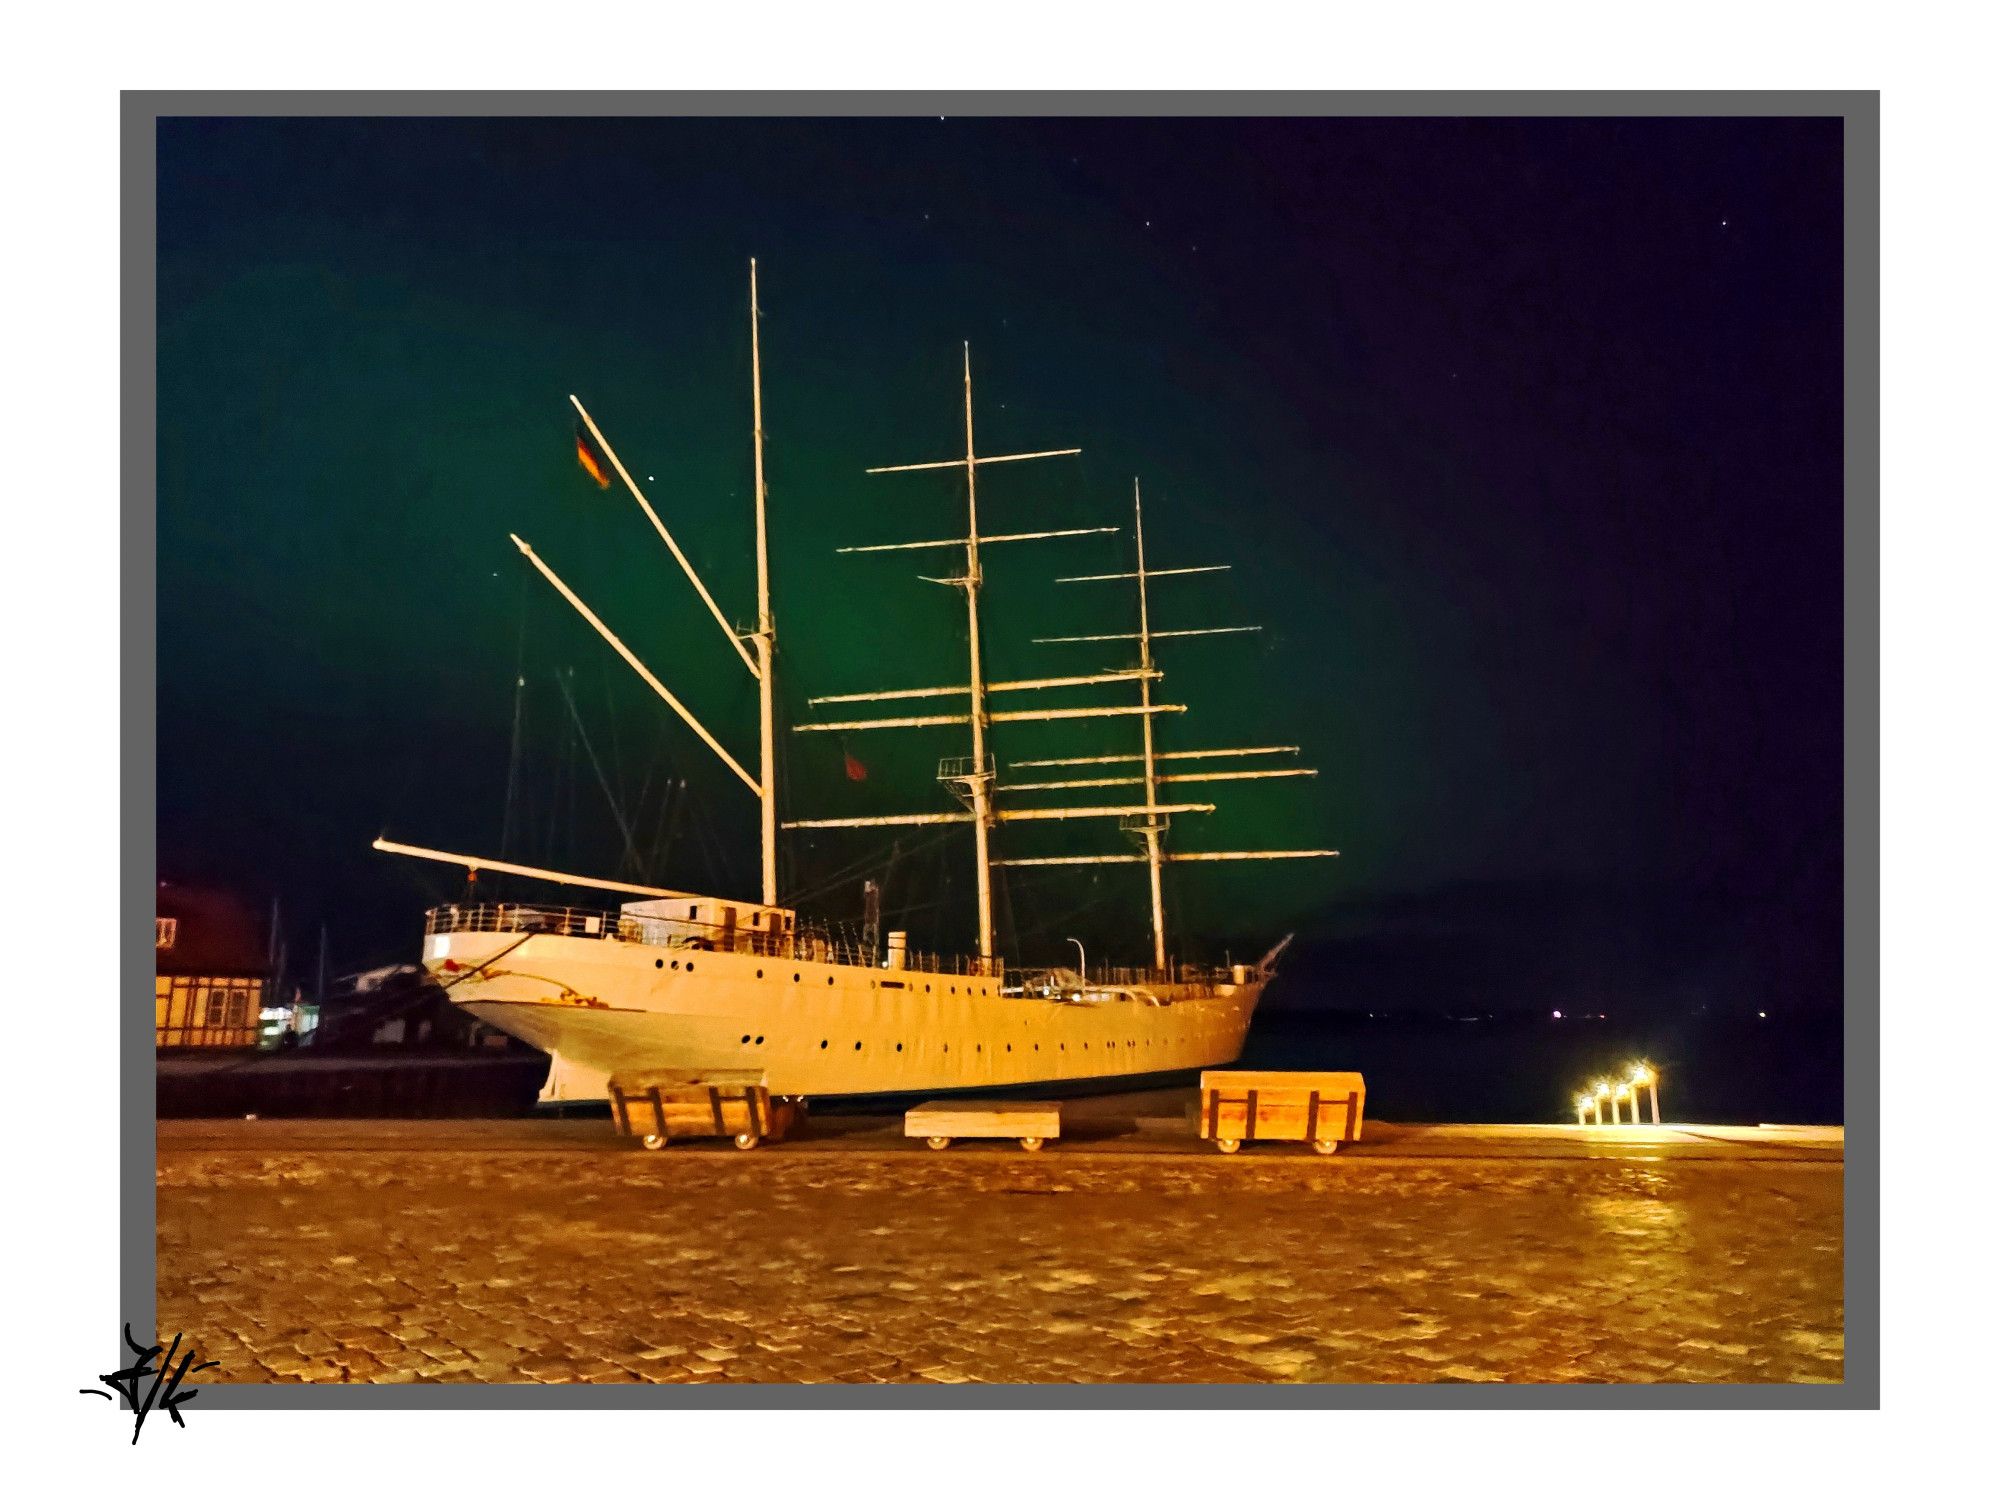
(747, 1141)
(653, 1142)
(1031, 1143)
(1326, 1148)
(1227, 1147)
(938, 1142)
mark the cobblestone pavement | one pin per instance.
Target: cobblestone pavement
(498, 1264)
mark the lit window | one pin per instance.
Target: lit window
(165, 930)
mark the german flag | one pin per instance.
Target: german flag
(588, 454)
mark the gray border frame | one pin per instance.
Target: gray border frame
(1860, 112)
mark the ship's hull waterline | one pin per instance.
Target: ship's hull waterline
(818, 1028)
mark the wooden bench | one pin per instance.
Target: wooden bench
(942, 1121)
(659, 1107)
(1321, 1108)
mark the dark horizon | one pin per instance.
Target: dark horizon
(1522, 437)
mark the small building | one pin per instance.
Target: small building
(210, 966)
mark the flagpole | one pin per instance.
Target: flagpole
(766, 638)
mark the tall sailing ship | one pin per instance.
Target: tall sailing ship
(681, 981)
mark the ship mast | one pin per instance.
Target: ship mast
(1152, 824)
(972, 780)
(979, 784)
(765, 638)
(758, 659)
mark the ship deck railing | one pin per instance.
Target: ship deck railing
(815, 942)
(1190, 981)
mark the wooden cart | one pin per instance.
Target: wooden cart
(1321, 1108)
(659, 1107)
(942, 1121)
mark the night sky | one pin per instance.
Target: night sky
(1522, 437)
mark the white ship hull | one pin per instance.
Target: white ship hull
(823, 1028)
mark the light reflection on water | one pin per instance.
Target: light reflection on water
(1627, 1213)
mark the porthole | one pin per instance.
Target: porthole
(829, 979)
(1010, 1046)
(659, 963)
(690, 967)
(760, 973)
(760, 1041)
(899, 1046)
(927, 989)
(952, 989)
(677, 963)
(795, 979)
(947, 1046)
(822, 1044)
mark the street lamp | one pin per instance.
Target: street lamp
(1600, 1091)
(1583, 1103)
(1644, 1077)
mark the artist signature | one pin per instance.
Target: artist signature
(167, 1377)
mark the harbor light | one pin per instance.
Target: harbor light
(1589, 1101)
(1644, 1077)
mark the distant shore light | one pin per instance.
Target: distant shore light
(1558, 1015)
